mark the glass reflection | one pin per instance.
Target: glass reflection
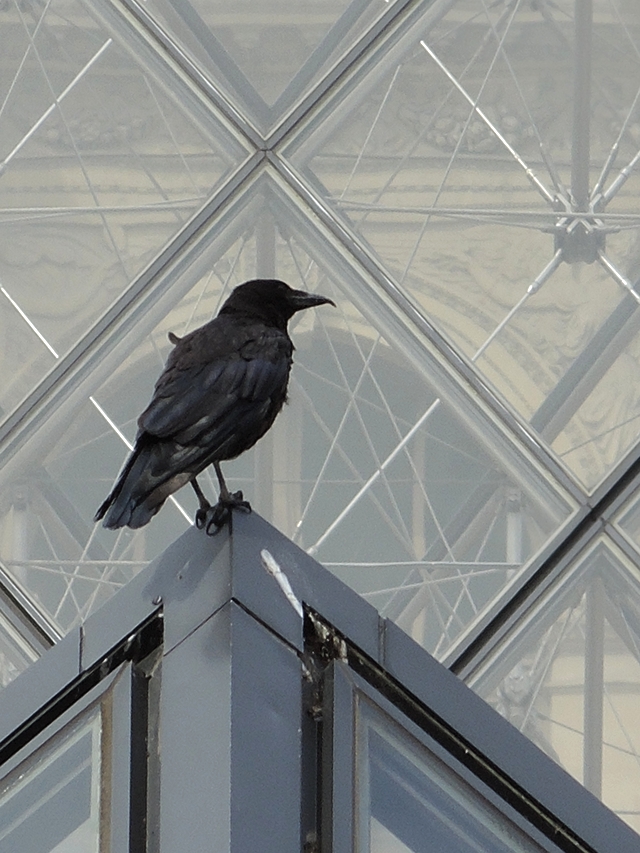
(408, 799)
(267, 57)
(51, 802)
(628, 520)
(500, 192)
(569, 677)
(369, 467)
(16, 652)
(101, 163)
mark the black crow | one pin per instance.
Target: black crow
(220, 391)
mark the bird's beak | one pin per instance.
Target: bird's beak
(299, 300)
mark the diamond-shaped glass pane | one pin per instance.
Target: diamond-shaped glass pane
(370, 467)
(17, 649)
(102, 161)
(266, 56)
(569, 677)
(629, 519)
(501, 193)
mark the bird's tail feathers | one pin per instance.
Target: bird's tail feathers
(119, 508)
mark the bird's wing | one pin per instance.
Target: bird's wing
(209, 383)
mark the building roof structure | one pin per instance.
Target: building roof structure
(460, 446)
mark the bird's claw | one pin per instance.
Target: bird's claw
(213, 518)
(237, 501)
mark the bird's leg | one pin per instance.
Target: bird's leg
(216, 517)
(232, 499)
(225, 494)
(205, 506)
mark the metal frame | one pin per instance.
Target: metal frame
(145, 291)
(119, 819)
(387, 36)
(352, 244)
(349, 699)
(230, 641)
(512, 604)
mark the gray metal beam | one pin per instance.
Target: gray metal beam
(231, 677)
(580, 145)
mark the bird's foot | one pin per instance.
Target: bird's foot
(201, 516)
(213, 518)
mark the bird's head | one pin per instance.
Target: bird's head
(271, 300)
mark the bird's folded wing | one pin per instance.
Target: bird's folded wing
(190, 401)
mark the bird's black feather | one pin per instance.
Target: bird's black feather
(222, 387)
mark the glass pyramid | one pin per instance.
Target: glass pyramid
(461, 442)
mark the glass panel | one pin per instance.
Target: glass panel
(628, 520)
(500, 192)
(408, 799)
(16, 652)
(569, 677)
(369, 467)
(51, 802)
(266, 56)
(100, 164)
